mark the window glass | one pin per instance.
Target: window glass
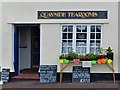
(98, 35)
(64, 28)
(92, 43)
(81, 43)
(98, 28)
(84, 28)
(70, 28)
(98, 43)
(83, 39)
(78, 28)
(81, 36)
(92, 36)
(64, 36)
(92, 28)
(64, 43)
(70, 35)
(70, 43)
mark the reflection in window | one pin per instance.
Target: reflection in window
(98, 28)
(92, 28)
(64, 43)
(70, 35)
(81, 43)
(64, 36)
(92, 49)
(84, 28)
(78, 28)
(64, 28)
(81, 50)
(81, 36)
(70, 28)
(92, 36)
(92, 43)
(70, 43)
(98, 35)
(98, 43)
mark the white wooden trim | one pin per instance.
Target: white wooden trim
(88, 36)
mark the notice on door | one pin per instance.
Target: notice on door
(48, 73)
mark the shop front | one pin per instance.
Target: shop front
(35, 34)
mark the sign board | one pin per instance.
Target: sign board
(86, 64)
(80, 74)
(48, 73)
(5, 75)
(72, 15)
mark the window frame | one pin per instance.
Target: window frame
(74, 36)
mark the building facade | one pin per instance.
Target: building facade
(36, 33)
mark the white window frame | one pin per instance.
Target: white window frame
(74, 36)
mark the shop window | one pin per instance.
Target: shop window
(82, 38)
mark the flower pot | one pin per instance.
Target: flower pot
(94, 62)
(99, 61)
(76, 61)
(103, 61)
(109, 61)
(110, 55)
(61, 60)
(66, 61)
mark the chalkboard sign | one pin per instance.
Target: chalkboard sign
(80, 74)
(48, 73)
(5, 75)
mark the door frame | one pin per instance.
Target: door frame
(16, 46)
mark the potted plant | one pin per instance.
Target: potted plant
(90, 56)
(100, 51)
(109, 53)
(83, 58)
(73, 56)
(62, 58)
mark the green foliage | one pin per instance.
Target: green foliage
(96, 56)
(72, 55)
(62, 56)
(100, 50)
(90, 56)
(109, 50)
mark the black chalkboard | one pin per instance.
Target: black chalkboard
(48, 73)
(5, 75)
(80, 74)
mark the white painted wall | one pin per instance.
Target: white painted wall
(24, 53)
(0, 34)
(119, 37)
(50, 32)
(50, 44)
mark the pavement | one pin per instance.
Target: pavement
(36, 85)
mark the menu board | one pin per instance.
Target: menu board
(48, 73)
(80, 74)
(5, 75)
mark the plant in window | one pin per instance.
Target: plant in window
(72, 55)
(83, 58)
(63, 59)
(109, 53)
(90, 56)
(101, 52)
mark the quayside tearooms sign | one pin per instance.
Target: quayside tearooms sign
(72, 14)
